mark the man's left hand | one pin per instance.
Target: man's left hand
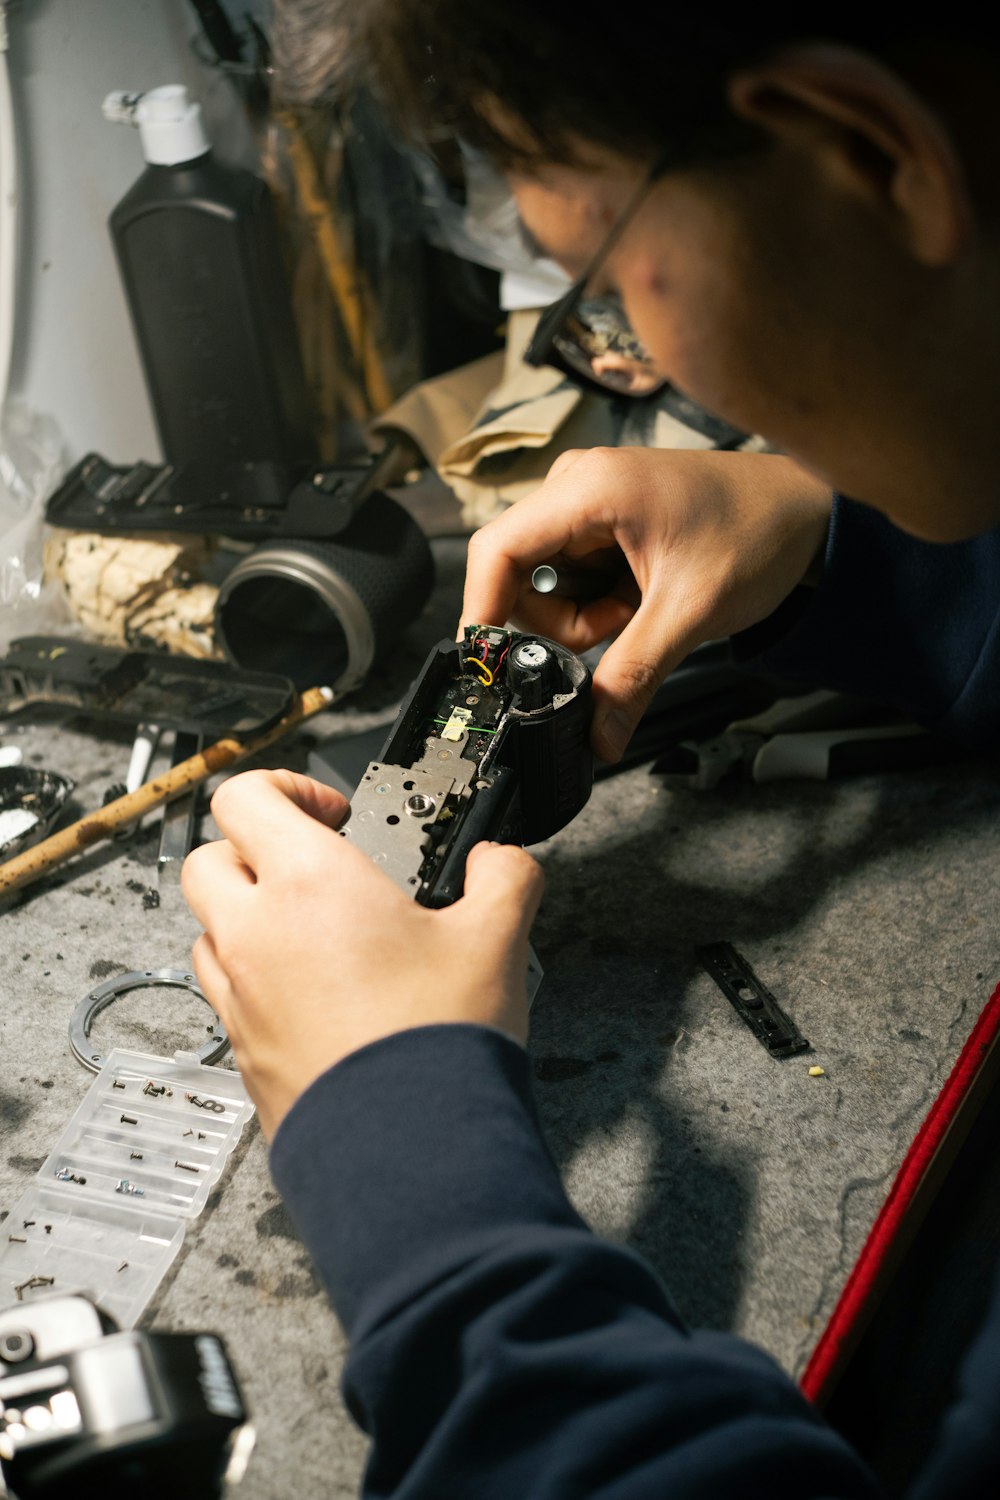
(310, 951)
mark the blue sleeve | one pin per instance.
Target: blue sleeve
(965, 1463)
(499, 1349)
(912, 624)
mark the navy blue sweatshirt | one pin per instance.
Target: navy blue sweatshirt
(499, 1349)
(502, 1351)
(909, 623)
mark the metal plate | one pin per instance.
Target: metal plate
(106, 994)
(383, 823)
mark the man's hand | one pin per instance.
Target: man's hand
(698, 545)
(310, 951)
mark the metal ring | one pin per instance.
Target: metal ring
(91, 1006)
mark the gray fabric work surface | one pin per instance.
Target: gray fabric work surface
(868, 906)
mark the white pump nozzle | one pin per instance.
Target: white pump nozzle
(170, 126)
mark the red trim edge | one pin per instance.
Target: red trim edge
(863, 1277)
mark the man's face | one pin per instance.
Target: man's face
(787, 309)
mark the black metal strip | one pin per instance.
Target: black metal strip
(751, 999)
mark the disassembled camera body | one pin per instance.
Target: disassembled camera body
(491, 743)
(88, 1411)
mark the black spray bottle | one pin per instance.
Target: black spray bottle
(198, 250)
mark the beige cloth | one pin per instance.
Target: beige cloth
(492, 429)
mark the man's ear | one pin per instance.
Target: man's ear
(874, 131)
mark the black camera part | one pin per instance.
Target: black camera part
(140, 687)
(491, 743)
(751, 999)
(252, 500)
(88, 1412)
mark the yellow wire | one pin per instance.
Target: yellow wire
(473, 661)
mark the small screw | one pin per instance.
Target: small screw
(15, 1239)
(124, 1186)
(48, 1229)
(129, 1120)
(28, 1223)
(118, 1084)
(135, 1156)
(186, 1166)
(202, 1136)
(65, 1175)
(189, 1132)
(123, 1265)
(33, 1281)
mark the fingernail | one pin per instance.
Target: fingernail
(616, 731)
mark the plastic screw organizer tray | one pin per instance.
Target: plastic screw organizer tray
(107, 1212)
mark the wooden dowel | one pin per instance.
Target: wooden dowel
(35, 862)
(344, 277)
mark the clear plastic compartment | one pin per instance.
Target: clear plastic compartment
(106, 1215)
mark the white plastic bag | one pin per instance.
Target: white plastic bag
(31, 464)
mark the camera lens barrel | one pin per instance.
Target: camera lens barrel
(322, 612)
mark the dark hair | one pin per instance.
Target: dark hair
(526, 81)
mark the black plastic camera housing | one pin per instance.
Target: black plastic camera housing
(491, 743)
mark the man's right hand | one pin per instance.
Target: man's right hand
(696, 546)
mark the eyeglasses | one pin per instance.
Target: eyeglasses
(589, 339)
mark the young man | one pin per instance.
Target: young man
(802, 228)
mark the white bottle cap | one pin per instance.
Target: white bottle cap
(170, 126)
